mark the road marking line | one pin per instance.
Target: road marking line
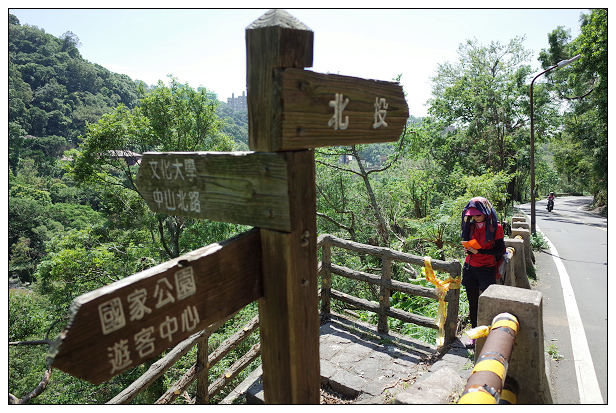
(588, 385)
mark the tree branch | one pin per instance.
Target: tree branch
(349, 229)
(161, 231)
(337, 167)
(46, 375)
(398, 152)
(34, 393)
(30, 342)
(579, 97)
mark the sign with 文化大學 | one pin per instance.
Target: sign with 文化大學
(238, 187)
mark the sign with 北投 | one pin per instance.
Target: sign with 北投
(121, 325)
(333, 110)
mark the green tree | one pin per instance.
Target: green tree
(582, 147)
(168, 118)
(52, 89)
(351, 160)
(479, 110)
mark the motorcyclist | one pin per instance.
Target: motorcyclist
(550, 201)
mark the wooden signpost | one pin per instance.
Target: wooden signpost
(291, 111)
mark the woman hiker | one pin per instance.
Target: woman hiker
(479, 223)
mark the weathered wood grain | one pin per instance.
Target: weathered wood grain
(106, 336)
(239, 187)
(288, 311)
(276, 40)
(306, 98)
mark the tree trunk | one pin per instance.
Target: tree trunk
(382, 228)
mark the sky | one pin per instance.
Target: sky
(206, 47)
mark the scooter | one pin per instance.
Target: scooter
(550, 205)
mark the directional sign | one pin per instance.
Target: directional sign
(333, 110)
(121, 325)
(239, 187)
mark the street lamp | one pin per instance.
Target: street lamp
(533, 221)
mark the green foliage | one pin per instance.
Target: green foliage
(73, 232)
(72, 267)
(581, 151)
(492, 186)
(479, 110)
(29, 192)
(51, 86)
(235, 124)
(29, 319)
(416, 305)
(180, 118)
(538, 242)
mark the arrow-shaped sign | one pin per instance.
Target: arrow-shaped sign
(121, 325)
(334, 110)
(240, 187)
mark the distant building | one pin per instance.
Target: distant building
(237, 103)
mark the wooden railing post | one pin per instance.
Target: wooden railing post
(288, 311)
(202, 396)
(384, 293)
(326, 279)
(453, 307)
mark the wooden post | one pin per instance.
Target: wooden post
(202, 396)
(383, 327)
(326, 279)
(288, 311)
(276, 40)
(453, 306)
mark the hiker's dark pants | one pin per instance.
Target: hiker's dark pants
(476, 280)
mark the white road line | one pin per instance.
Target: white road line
(588, 385)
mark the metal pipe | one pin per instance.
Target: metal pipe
(487, 380)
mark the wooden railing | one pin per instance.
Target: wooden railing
(386, 285)
(199, 371)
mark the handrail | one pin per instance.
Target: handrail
(229, 374)
(386, 284)
(161, 366)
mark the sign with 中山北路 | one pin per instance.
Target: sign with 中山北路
(239, 187)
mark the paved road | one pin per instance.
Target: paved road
(572, 275)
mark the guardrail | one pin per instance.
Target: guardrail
(199, 371)
(448, 292)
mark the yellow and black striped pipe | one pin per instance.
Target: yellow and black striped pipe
(487, 383)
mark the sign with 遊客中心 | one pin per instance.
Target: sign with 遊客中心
(123, 324)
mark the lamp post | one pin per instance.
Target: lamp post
(533, 221)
